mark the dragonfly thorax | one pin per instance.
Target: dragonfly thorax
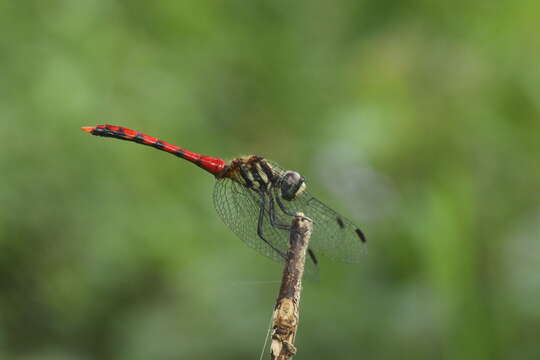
(256, 173)
(253, 172)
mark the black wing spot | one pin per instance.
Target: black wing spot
(312, 256)
(340, 222)
(360, 235)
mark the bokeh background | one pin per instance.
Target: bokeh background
(418, 119)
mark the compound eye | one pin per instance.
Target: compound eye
(292, 184)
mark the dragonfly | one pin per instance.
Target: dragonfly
(257, 200)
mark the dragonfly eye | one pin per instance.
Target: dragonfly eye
(292, 185)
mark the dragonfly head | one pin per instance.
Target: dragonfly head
(292, 185)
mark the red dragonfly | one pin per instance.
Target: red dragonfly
(257, 199)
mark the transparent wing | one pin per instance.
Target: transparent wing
(333, 235)
(239, 208)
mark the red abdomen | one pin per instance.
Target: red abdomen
(213, 165)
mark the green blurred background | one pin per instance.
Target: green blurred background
(418, 119)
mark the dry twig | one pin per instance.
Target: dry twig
(286, 313)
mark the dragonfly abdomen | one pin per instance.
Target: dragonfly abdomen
(213, 165)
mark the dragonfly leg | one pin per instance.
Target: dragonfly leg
(287, 212)
(311, 253)
(272, 212)
(260, 226)
(282, 206)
